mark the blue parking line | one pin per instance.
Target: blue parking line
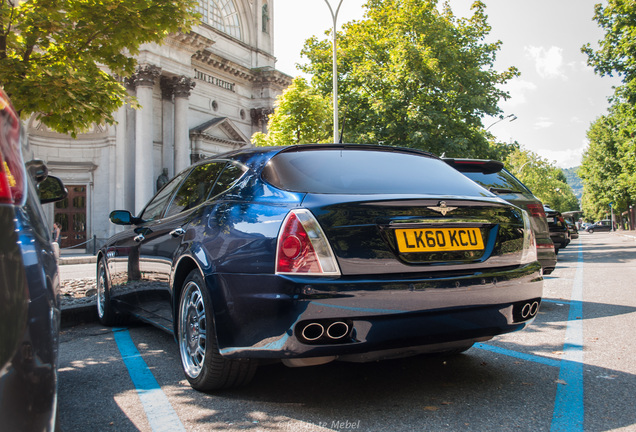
(161, 416)
(569, 410)
(522, 356)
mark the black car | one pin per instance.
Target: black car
(602, 225)
(492, 175)
(29, 285)
(558, 228)
(308, 254)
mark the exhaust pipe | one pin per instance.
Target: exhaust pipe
(337, 330)
(313, 331)
(529, 310)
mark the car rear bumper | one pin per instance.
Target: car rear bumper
(560, 240)
(269, 316)
(546, 255)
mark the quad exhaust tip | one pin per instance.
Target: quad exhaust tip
(325, 332)
(529, 310)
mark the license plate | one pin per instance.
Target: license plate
(439, 239)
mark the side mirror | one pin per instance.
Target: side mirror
(123, 217)
(37, 169)
(51, 189)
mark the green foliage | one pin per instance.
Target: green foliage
(301, 116)
(413, 76)
(609, 163)
(546, 181)
(617, 50)
(61, 59)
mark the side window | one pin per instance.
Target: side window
(228, 178)
(156, 206)
(196, 188)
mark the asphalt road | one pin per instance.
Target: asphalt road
(573, 369)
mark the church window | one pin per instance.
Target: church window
(222, 15)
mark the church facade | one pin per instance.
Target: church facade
(201, 93)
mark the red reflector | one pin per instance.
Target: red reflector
(291, 246)
(545, 245)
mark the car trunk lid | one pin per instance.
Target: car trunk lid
(405, 234)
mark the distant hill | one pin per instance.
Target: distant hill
(573, 179)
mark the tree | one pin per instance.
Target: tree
(414, 76)
(608, 167)
(63, 59)
(617, 50)
(546, 181)
(301, 116)
(609, 163)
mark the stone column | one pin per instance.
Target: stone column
(144, 182)
(182, 88)
(167, 110)
(127, 155)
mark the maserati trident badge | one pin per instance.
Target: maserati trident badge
(442, 208)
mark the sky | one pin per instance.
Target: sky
(555, 99)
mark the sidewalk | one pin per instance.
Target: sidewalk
(78, 297)
(626, 233)
(77, 256)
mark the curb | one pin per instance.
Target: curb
(81, 314)
(79, 259)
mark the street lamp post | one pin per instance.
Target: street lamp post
(522, 166)
(334, 16)
(512, 117)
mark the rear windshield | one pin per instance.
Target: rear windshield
(501, 181)
(354, 171)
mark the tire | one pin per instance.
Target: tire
(204, 367)
(591, 231)
(105, 311)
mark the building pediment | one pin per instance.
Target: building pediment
(217, 136)
(221, 128)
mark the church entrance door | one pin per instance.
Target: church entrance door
(70, 214)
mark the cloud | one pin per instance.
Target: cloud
(543, 123)
(518, 90)
(567, 158)
(548, 62)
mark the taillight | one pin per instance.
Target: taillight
(12, 173)
(536, 210)
(529, 253)
(545, 245)
(302, 247)
(561, 222)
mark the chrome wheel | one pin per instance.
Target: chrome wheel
(192, 329)
(105, 311)
(101, 290)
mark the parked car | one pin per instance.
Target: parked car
(558, 228)
(29, 287)
(493, 176)
(313, 253)
(573, 232)
(602, 225)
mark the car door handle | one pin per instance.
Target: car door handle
(177, 232)
(139, 238)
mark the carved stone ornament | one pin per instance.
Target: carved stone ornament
(260, 116)
(146, 75)
(183, 85)
(167, 87)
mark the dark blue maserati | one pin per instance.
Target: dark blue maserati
(314, 253)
